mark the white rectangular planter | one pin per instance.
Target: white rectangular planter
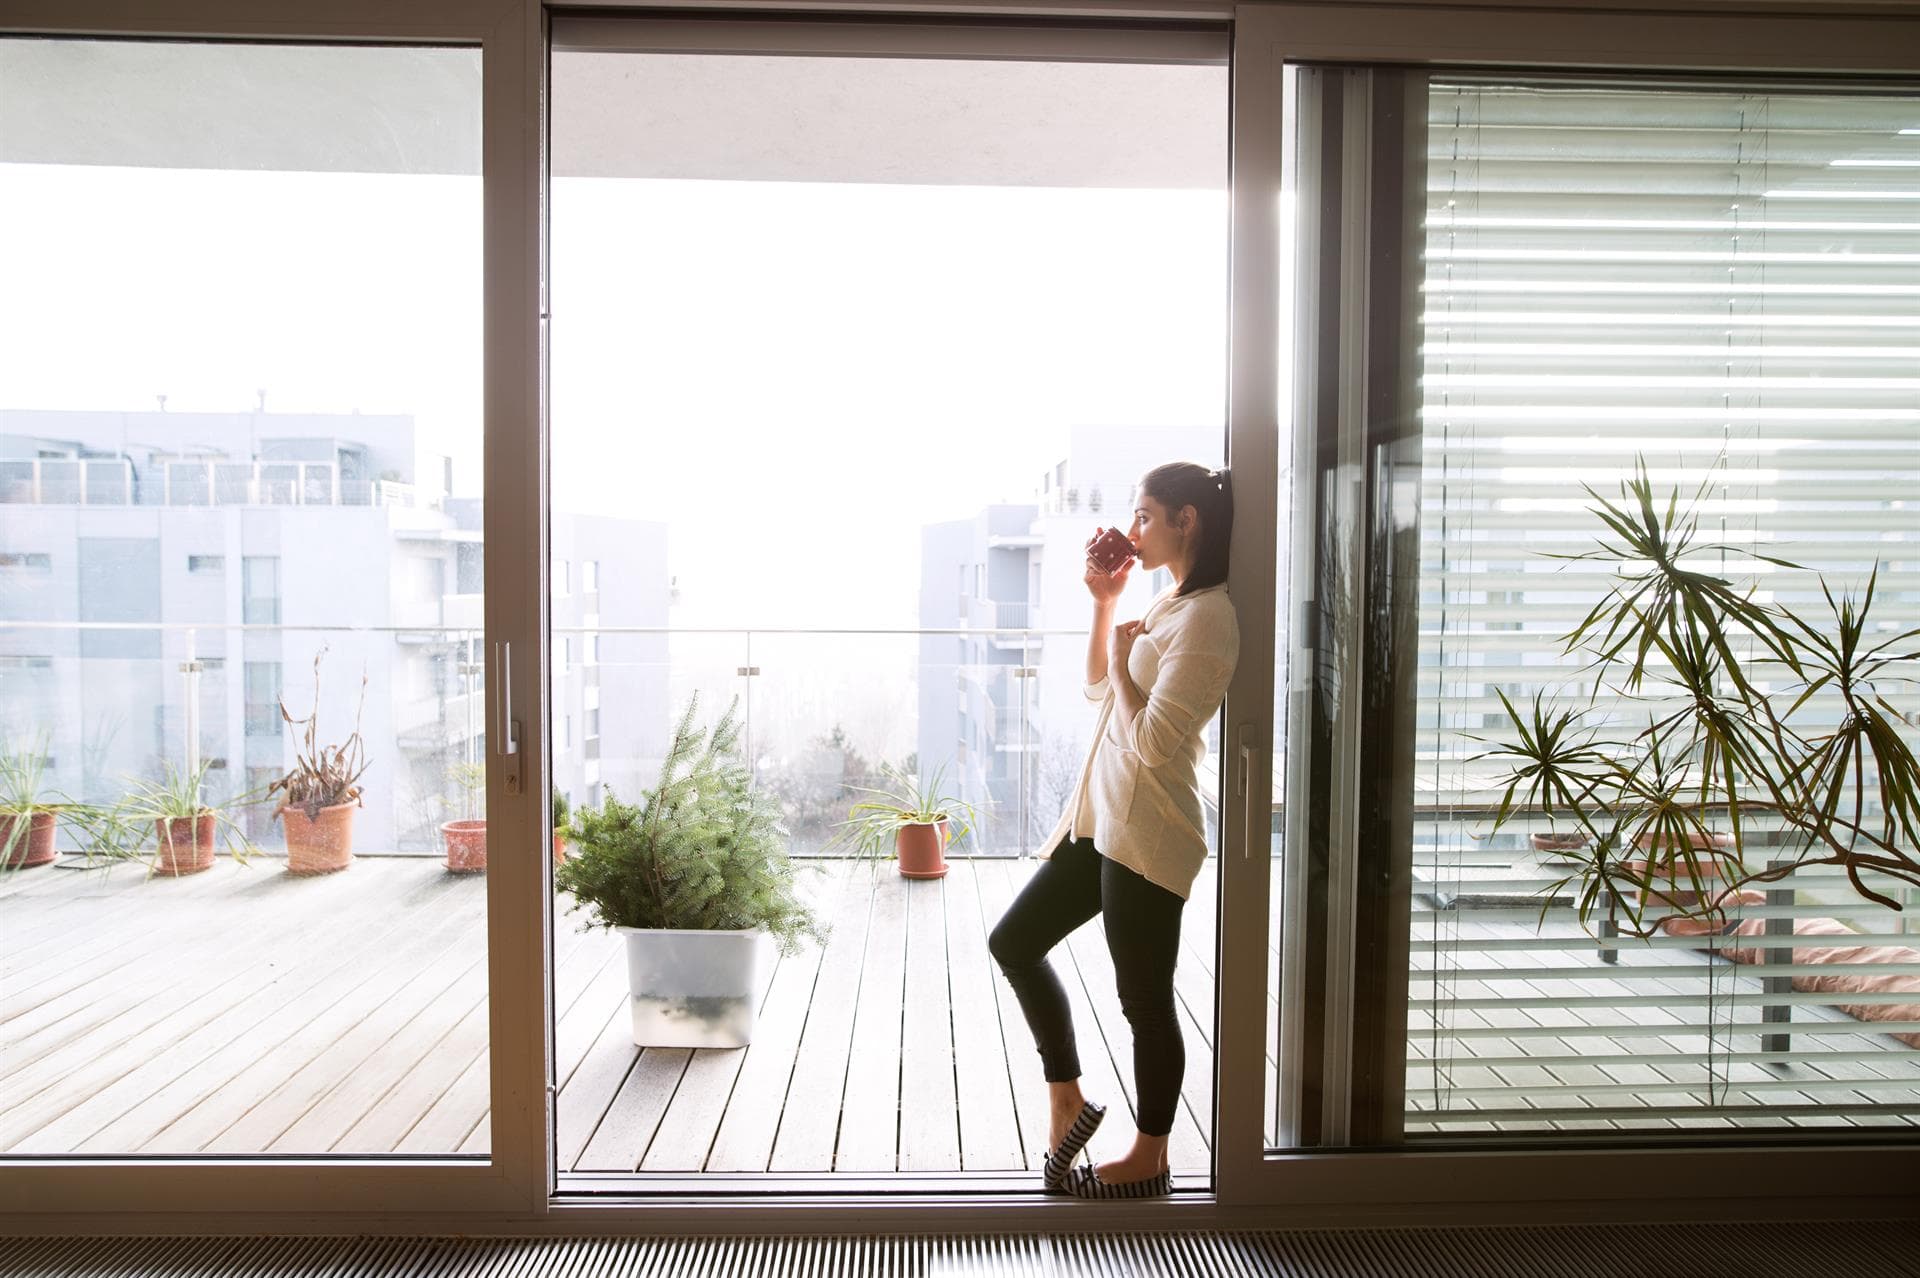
(692, 988)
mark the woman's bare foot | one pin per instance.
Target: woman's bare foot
(1147, 1159)
(1065, 1102)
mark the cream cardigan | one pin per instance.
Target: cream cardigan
(1138, 797)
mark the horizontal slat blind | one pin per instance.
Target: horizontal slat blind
(1691, 275)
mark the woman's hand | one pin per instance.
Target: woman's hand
(1121, 646)
(1105, 587)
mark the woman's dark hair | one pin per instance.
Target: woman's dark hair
(1210, 493)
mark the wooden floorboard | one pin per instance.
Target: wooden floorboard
(245, 1011)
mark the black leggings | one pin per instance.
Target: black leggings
(1142, 922)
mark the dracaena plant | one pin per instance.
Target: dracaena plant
(1731, 714)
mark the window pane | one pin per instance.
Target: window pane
(243, 288)
(1726, 284)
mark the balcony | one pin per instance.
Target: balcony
(356, 1023)
(347, 1014)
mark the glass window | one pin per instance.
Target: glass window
(1711, 291)
(260, 590)
(243, 285)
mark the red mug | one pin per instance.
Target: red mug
(1108, 550)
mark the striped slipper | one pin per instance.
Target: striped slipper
(1085, 1182)
(1060, 1160)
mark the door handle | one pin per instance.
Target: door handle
(506, 736)
(1248, 755)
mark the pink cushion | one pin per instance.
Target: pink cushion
(1853, 964)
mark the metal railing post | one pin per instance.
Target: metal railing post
(191, 669)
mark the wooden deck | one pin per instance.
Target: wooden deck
(245, 1012)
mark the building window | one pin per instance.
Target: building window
(589, 576)
(263, 698)
(564, 655)
(27, 563)
(566, 732)
(593, 723)
(593, 650)
(260, 590)
(16, 661)
(206, 563)
(562, 577)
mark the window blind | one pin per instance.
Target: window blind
(1725, 280)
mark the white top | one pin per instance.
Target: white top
(1138, 797)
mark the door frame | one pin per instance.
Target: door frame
(510, 1192)
(1337, 1080)
(161, 1194)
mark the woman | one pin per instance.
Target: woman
(1132, 839)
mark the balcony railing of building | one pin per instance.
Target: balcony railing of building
(199, 482)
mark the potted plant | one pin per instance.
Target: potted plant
(321, 790)
(184, 828)
(562, 812)
(29, 816)
(466, 837)
(1736, 748)
(696, 879)
(909, 820)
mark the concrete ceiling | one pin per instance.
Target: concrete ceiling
(802, 119)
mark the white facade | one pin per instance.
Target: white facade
(248, 542)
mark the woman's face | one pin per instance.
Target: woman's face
(1160, 536)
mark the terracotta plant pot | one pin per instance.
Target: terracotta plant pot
(559, 849)
(921, 849)
(322, 845)
(35, 843)
(186, 844)
(1663, 863)
(1557, 842)
(466, 846)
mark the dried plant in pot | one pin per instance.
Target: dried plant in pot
(1764, 726)
(696, 879)
(907, 819)
(186, 831)
(319, 793)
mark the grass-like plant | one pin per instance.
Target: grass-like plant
(1724, 680)
(322, 776)
(178, 795)
(873, 825)
(703, 850)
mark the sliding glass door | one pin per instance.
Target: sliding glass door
(1551, 336)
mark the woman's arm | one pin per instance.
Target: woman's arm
(1195, 667)
(1098, 638)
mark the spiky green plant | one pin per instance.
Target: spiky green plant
(1722, 678)
(872, 825)
(177, 795)
(703, 850)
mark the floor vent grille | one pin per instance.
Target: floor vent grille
(1871, 1250)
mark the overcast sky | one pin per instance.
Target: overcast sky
(794, 376)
